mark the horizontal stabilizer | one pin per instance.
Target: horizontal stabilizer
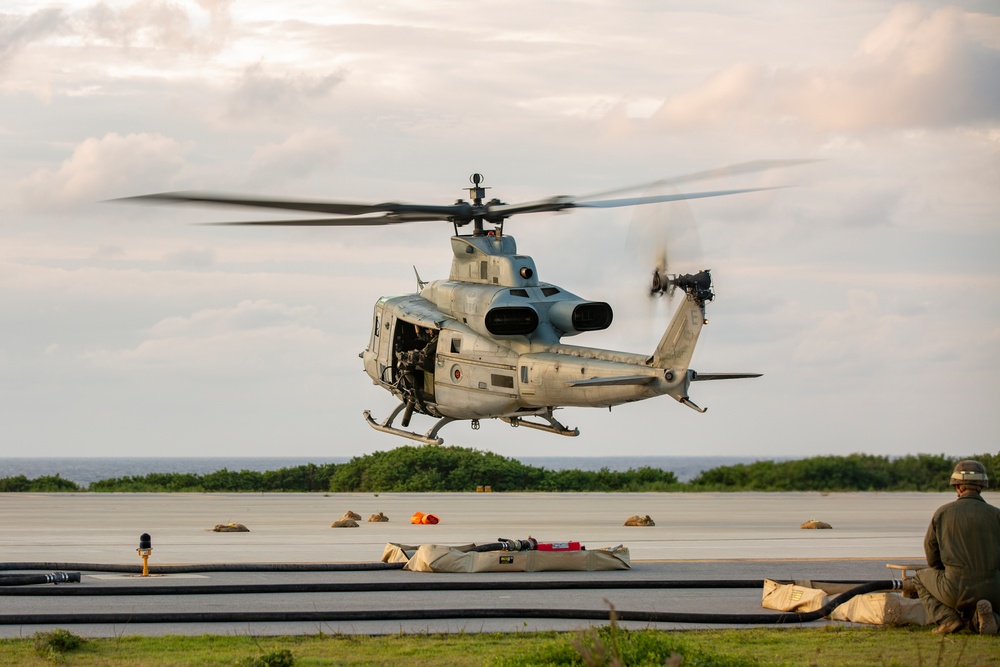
(613, 382)
(725, 376)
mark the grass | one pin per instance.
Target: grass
(833, 646)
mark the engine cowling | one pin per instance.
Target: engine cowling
(573, 317)
(511, 321)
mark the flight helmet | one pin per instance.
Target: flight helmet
(970, 473)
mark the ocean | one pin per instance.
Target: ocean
(84, 470)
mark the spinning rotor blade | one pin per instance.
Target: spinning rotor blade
(459, 213)
(400, 211)
(329, 222)
(719, 172)
(654, 199)
(662, 238)
(501, 211)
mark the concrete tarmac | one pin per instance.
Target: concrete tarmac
(724, 536)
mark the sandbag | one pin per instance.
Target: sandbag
(881, 608)
(439, 558)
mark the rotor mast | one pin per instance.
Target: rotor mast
(476, 193)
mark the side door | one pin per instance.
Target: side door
(381, 344)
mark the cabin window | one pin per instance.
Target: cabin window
(378, 324)
(498, 380)
(524, 375)
(456, 344)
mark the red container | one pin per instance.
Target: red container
(559, 546)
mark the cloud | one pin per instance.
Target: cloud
(261, 93)
(157, 24)
(723, 94)
(299, 155)
(201, 26)
(916, 69)
(112, 166)
(254, 336)
(191, 258)
(16, 32)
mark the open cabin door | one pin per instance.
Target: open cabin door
(414, 352)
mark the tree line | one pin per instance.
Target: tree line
(438, 468)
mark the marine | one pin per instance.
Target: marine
(961, 586)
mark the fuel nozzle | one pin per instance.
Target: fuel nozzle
(529, 544)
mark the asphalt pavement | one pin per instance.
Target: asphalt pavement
(724, 537)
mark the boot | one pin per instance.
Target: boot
(985, 618)
(950, 626)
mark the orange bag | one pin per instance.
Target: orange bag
(421, 518)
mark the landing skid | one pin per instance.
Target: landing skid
(553, 425)
(429, 438)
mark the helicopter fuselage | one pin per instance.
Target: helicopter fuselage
(486, 343)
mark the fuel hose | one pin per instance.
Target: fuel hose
(444, 614)
(206, 567)
(31, 579)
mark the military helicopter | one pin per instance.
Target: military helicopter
(487, 342)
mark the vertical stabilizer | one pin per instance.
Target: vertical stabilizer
(677, 345)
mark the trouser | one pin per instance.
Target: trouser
(944, 601)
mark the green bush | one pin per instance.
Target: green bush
(44, 484)
(282, 658)
(434, 468)
(856, 472)
(55, 644)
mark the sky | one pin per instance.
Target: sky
(865, 287)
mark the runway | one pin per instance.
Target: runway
(742, 536)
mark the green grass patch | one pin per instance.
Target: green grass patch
(833, 646)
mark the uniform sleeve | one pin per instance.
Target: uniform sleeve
(932, 550)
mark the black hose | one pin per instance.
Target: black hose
(206, 567)
(427, 614)
(31, 579)
(386, 587)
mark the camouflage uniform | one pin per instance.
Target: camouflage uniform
(963, 550)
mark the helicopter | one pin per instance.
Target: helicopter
(486, 343)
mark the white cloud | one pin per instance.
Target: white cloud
(112, 166)
(156, 24)
(301, 154)
(721, 97)
(917, 68)
(260, 92)
(17, 32)
(251, 338)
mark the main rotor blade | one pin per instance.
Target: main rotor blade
(652, 199)
(718, 172)
(497, 212)
(462, 210)
(330, 222)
